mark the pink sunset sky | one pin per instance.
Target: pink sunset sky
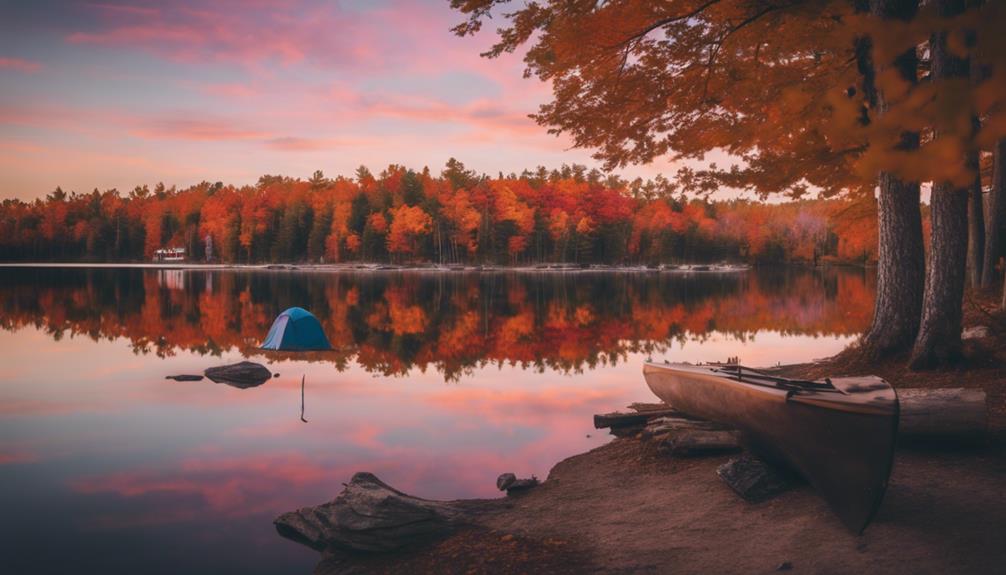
(120, 93)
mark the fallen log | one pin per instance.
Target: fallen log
(369, 515)
(945, 413)
(671, 424)
(184, 377)
(699, 442)
(754, 479)
(647, 407)
(620, 419)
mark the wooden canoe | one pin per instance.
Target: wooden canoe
(838, 433)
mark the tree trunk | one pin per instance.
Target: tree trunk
(1002, 304)
(943, 414)
(976, 203)
(939, 340)
(996, 215)
(976, 223)
(901, 269)
(901, 256)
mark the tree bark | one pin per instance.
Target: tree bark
(976, 223)
(976, 203)
(901, 256)
(943, 414)
(939, 339)
(996, 215)
(699, 442)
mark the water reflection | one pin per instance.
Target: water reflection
(131, 472)
(452, 323)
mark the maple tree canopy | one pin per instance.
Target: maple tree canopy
(773, 83)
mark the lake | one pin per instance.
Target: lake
(439, 382)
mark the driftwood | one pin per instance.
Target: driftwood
(184, 377)
(753, 479)
(699, 442)
(371, 516)
(948, 413)
(648, 407)
(642, 413)
(672, 424)
(621, 419)
(241, 375)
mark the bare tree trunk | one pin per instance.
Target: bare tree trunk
(976, 222)
(996, 215)
(976, 203)
(901, 256)
(939, 340)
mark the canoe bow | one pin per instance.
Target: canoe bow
(838, 433)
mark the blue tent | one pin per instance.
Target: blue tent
(296, 329)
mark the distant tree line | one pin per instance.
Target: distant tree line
(401, 215)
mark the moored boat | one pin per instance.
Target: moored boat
(837, 433)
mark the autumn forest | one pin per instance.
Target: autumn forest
(400, 215)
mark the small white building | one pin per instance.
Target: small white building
(169, 255)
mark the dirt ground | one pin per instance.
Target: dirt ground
(624, 508)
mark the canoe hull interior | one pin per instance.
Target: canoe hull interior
(841, 441)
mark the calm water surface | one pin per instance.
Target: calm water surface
(439, 382)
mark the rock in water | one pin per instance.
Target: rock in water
(753, 479)
(370, 516)
(241, 375)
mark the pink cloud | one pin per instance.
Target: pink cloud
(297, 144)
(197, 129)
(482, 115)
(233, 30)
(19, 65)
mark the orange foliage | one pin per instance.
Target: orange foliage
(568, 215)
(408, 223)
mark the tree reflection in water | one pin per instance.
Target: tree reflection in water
(450, 322)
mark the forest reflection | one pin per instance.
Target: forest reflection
(450, 322)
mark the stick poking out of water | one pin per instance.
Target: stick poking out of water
(302, 398)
